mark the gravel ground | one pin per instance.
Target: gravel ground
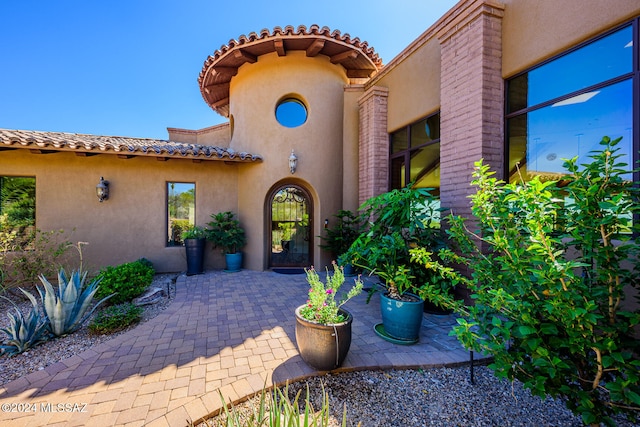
(55, 350)
(435, 397)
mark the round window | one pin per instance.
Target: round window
(291, 112)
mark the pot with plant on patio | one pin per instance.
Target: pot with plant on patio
(194, 243)
(225, 232)
(323, 327)
(398, 221)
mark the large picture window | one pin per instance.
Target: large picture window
(181, 210)
(415, 155)
(562, 108)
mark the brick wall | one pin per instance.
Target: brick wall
(472, 99)
(373, 143)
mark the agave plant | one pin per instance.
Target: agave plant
(24, 333)
(68, 308)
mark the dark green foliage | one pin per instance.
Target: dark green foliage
(398, 220)
(549, 283)
(127, 281)
(341, 236)
(226, 233)
(115, 318)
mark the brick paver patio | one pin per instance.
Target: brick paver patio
(225, 332)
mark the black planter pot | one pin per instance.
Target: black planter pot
(195, 255)
(323, 347)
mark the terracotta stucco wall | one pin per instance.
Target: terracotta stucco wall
(132, 223)
(536, 30)
(318, 143)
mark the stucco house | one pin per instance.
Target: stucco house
(513, 81)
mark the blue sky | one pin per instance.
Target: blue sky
(130, 67)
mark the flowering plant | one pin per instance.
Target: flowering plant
(321, 306)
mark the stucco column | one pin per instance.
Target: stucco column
(472, 99)
(373, 142)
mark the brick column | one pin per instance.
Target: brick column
(373, 143)
(472, 99)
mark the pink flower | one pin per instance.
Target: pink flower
(329, 291)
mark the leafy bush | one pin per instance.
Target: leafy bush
(68, 308)
(115, 318)
(127, 281)
(24, 333)
(549, 281)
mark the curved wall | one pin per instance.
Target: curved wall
(254, 94)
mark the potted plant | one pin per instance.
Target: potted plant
(225, 232)
(398, 221)
(194, 238)
(341, 236)
(323, 327)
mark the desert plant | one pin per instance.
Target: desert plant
(127, 281)
(115, 318)
(277, 409)
(24, 333)
(226, 233)
(548, 278)
(68, 308)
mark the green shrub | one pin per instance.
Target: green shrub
(127, 281)
(550, 281)
(115, 318)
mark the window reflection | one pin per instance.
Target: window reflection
(568, 105)
(181, 210)
(415, 155)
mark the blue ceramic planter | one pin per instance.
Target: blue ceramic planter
(234, 261)
(402, 320)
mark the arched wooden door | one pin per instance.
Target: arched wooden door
(290, 227)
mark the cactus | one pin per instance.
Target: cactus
(68, 308)
(24, 333)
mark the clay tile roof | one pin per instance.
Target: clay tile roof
(357, 57)
(38, 141)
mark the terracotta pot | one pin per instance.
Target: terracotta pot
(323, 347)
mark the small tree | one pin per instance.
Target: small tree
(548, 278)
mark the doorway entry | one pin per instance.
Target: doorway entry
(290, 227)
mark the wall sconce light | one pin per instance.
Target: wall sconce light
(293, 162)
(326, 223)
(102, 190)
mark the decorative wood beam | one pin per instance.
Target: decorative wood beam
(7, 148)
(223, 101)
(196, 160)
(85, 154)
(246, 57)
(278, 45)
(226, 71)
(125, 156)
(344, 56)
(162, 159)
(358, 73)
(315, 48)
(216, 86)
